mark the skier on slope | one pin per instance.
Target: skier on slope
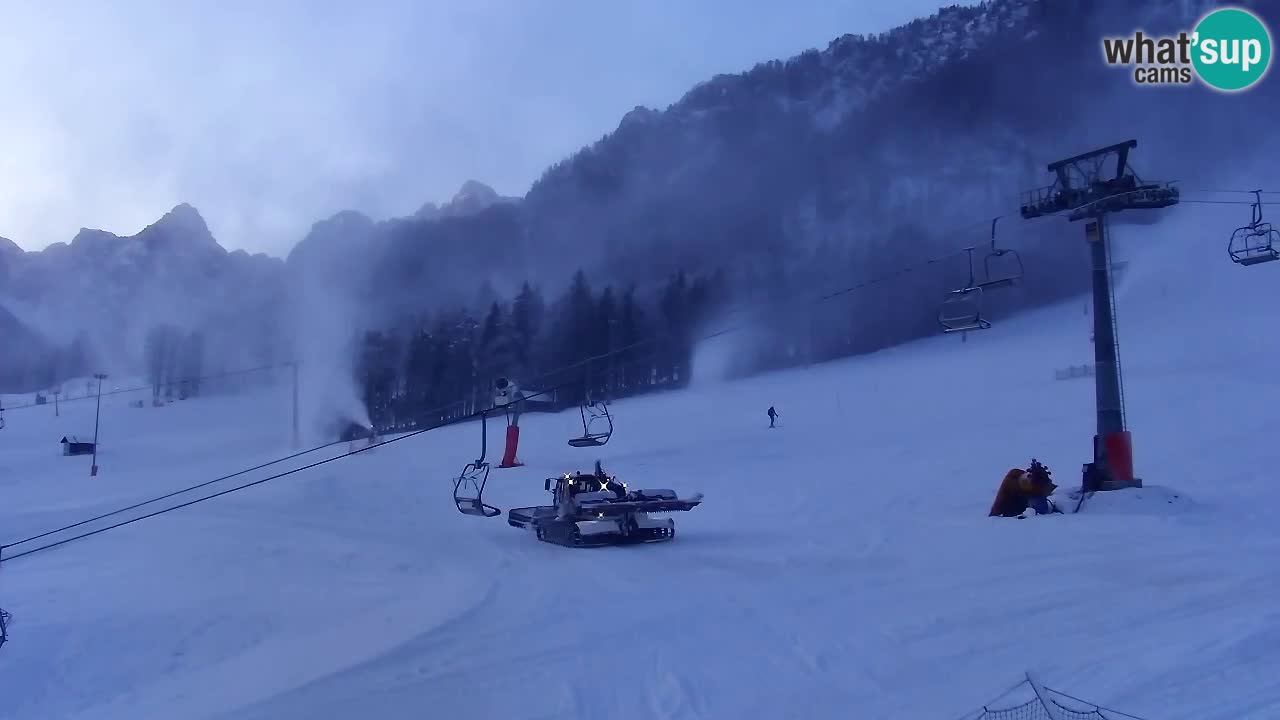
(773, 415)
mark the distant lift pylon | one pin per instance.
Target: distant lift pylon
(468, 487)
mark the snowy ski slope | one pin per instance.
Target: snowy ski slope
(841, 566)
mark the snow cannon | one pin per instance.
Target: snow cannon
(358, 435)
(505, 391)
(1021, 490)
(592, 510)
(507, 395)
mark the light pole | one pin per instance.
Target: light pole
(93, 469)
(296, 441)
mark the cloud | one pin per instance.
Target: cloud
(270, 116)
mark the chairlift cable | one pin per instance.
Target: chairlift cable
(268, 464)
(273, 462)
(260, 481)
(1227, 202)
(237, 488)
(166, 496)
(1231, 192)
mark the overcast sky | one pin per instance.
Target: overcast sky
(269, 115)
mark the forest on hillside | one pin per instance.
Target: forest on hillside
(589, 343)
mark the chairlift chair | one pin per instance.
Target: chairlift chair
(594, 415)
(468, 488)
(961, 311)
(1007, 266)
(1256, 242)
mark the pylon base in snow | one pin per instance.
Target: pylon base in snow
(1113, 455)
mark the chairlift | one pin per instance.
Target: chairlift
(468, 488)
(961, 311)
(1256, 242)
(597, 425)
(1007, 263)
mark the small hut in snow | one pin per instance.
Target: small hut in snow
(72, 445)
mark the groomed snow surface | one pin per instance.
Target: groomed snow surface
(842, 565)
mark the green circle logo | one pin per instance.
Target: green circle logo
(1232, 49)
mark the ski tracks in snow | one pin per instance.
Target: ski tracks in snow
(672, 696)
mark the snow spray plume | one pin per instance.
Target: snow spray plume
(724, 355)
(324, 305)
(714, 358)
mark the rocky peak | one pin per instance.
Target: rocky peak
(473, 197)
(9, 248)
(92, 239)
(639, 115)
(182, 225)
(428, 211)
(342, 232)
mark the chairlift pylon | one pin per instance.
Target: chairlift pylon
(1256, 242)
(594, 414)
(961, 310)
(1008, 266)
(468, 488)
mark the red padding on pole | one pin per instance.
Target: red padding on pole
(1118, 450)
(513, 440)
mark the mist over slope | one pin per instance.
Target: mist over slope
(795, 176)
